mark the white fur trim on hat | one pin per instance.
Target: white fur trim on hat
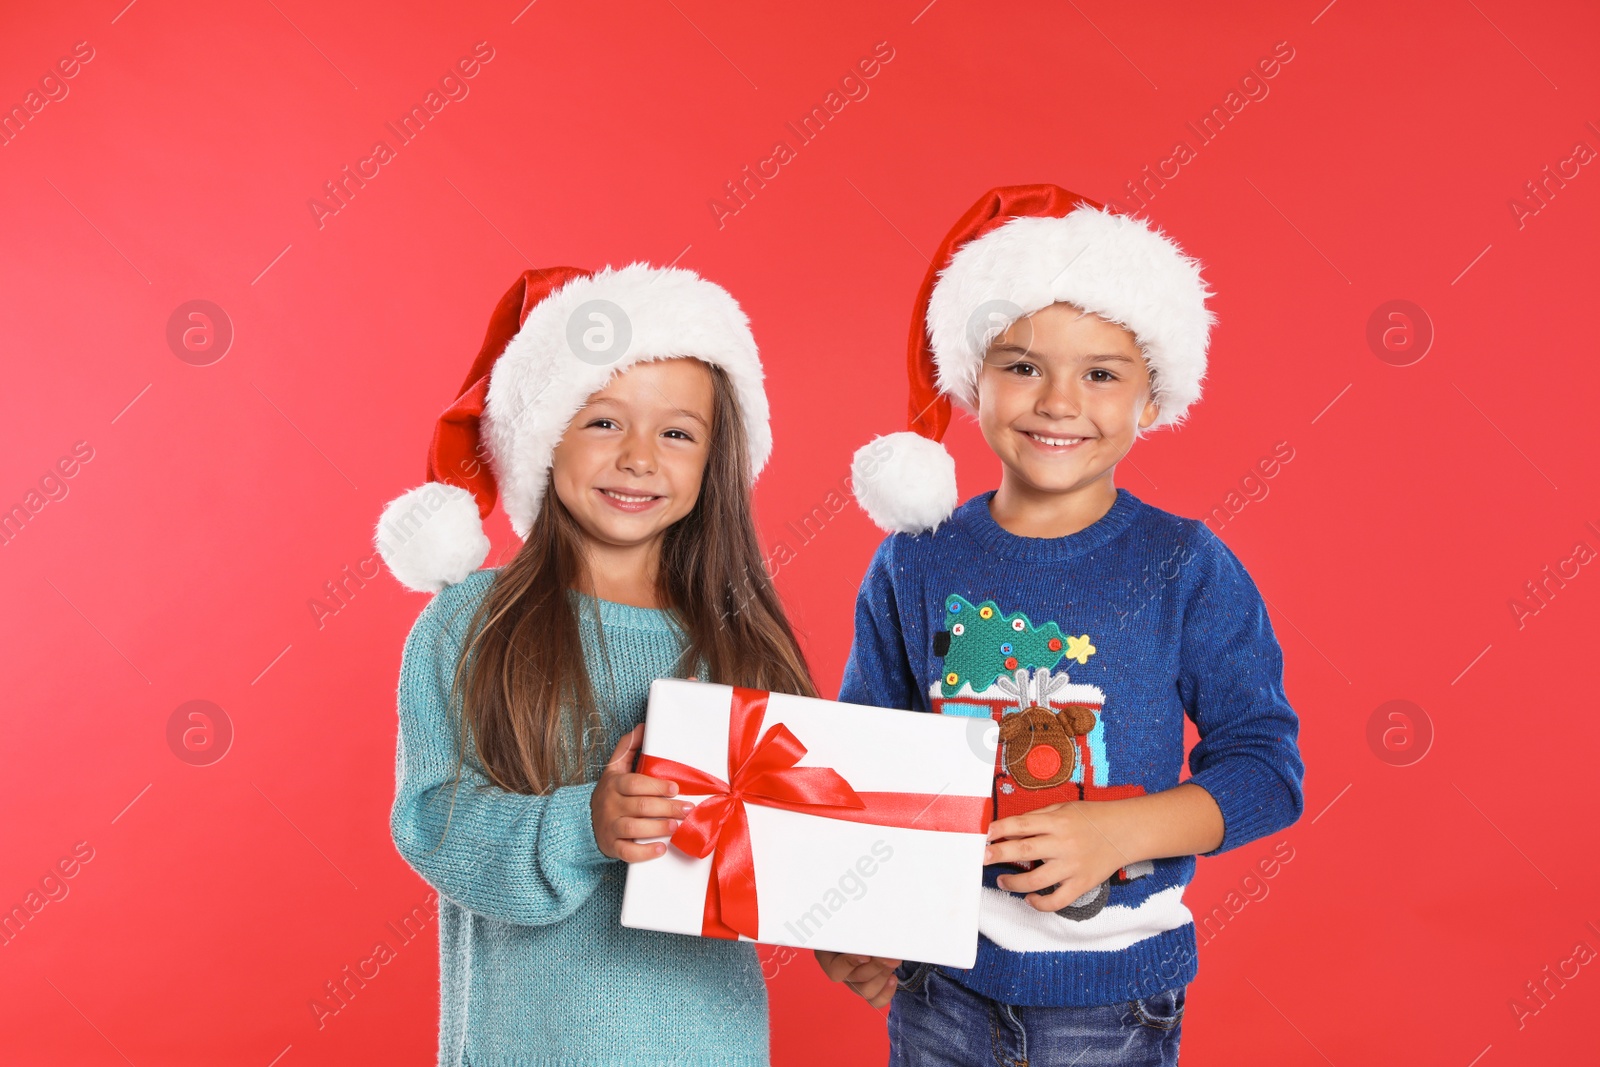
(906, 483)
(572, 343)
(431, 536)
(1111, 264)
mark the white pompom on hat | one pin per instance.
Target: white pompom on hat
(1018, 250)
(555, 338)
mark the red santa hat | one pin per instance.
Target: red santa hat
(555, 338)
(1018, 250)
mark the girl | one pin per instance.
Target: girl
(623, 419)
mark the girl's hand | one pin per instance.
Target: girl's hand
(872, 977)
(1071, 845)
(626, 806)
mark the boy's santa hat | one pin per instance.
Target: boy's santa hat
(1018, 250)
(555, 338)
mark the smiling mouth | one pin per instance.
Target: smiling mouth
(1054, 442)
(630, 501)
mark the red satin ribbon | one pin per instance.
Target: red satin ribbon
(764, 772)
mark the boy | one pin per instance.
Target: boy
(1084, 621)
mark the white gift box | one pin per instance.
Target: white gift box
(895, 873)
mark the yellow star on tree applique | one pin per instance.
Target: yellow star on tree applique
(1079, 648)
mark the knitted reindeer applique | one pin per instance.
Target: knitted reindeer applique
(1039, 743)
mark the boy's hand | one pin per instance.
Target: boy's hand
(1069, 844)
(626, 806)
(872, 977)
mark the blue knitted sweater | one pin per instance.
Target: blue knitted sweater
(1088, 650)
(534, 968)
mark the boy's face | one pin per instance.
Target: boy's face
(1061, 398)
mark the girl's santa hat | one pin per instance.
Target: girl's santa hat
(555, 338)
(1018, 250)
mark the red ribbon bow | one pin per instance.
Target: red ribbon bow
(763, 771)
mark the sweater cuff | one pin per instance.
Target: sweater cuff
(569, 825)
(1248, 804)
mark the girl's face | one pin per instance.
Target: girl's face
(1061, 398)
(631, 462)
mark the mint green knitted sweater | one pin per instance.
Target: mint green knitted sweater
(534, 968)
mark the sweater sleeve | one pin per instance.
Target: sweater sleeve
(1231, 684)
(878, 672)
(516, 858)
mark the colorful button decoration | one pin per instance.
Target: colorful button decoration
(1054, 644)
(1006, 649)
(986, 612)
(1019, 625)
(954, 606)
(958, 629)
(952, 678)
(1011, 663)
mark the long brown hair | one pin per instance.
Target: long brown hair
(527, 704)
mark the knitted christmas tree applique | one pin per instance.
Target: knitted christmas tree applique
(980, 643)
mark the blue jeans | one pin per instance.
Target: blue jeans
(935, 1021)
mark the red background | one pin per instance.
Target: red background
(182, 562)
